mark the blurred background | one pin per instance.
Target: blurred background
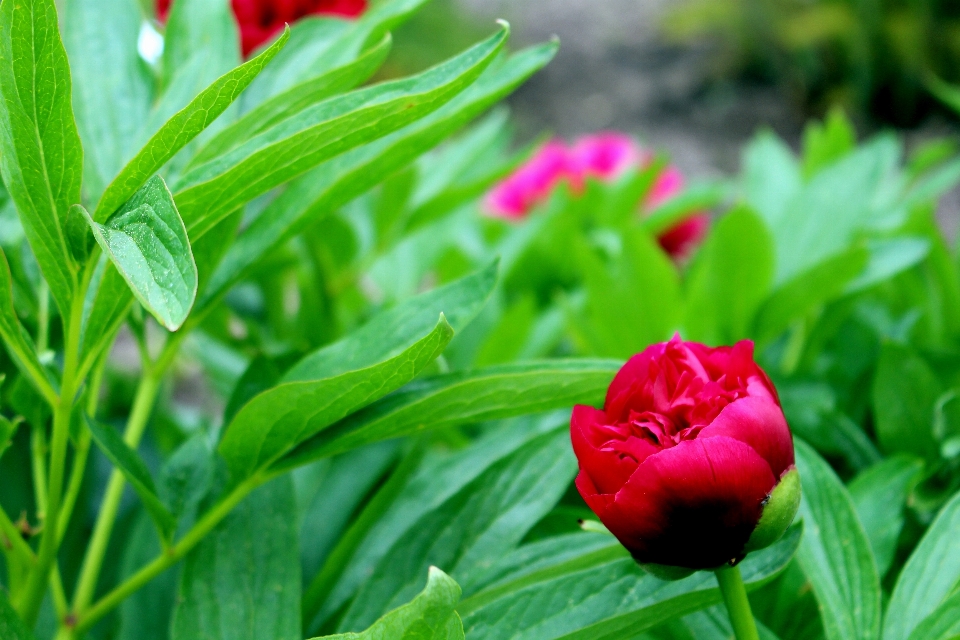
(697, 78)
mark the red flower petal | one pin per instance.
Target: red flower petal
(607, 470)
(693, 505)
(758, 422)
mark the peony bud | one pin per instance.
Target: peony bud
(690, 463)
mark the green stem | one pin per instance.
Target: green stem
(735, 597)
(38, 451)
(32, 596)
(136, 424)
(171, 556)
(92, 561)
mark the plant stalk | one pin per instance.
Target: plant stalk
(738, 606)
(136, 424)
(32, 596)
(168, 558)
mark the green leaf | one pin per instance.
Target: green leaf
(242, 582)
(880, 496)
(709, 624)
(15, 338)
(486, 519)
(429, 616)
(602, 594)
(11, 627)
(41, 159)
(294, 100)
(835, 553)
(341, 179)
(771, 177)
(698, 197)
(904, 392)
(394, 329)
(114, 87)
(942, 624)
(442, 475)
(641, 283)
(135, 471)
(8, 429)
(731, 276)
(930, 576)
(462, 398)
(145, 615)
(889, 257)
(187, 476)
(207, 193)
(183, 127)
(826, 143)
(148, 244)
(202, 33)
(319, 44)
(804, 293)
(281, 418)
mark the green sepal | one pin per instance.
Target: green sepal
(779, 510)
(666, 572)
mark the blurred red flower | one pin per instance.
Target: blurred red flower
(681, 460)
(260, 20)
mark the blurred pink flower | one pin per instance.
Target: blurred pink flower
(606, 155)
(531, 184)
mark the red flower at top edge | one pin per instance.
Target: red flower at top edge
(261, 20)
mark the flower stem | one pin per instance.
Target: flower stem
(735, 597)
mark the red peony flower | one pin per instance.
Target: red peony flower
(605, 156)
(681, 462)
(261, 20)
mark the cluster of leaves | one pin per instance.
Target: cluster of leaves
(349, 405)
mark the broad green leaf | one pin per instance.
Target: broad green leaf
(835, 553)
(464, 535)
(942, 624)
(145, 615)
(15, 338)
(186, 477)
(793, 300)
(889, 257)
(731, 276)
(429, 616)
(698, 197)
(641, 283)
(880, 496)
(904, 392)
(442, 474)
(135, 471)
(394, 329)
(462, 398)
(41, 159)
(279, 419)
(331, 492)
(709, 624)
(242, 582)
(11, 627)
(148, 244)
(930, 576)
(200, 31)
(293, 101)
(183, 127)
(341, 179)
(210, 191)
(602, 594)
(827, 142)
(771, 177)
(113, 87)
